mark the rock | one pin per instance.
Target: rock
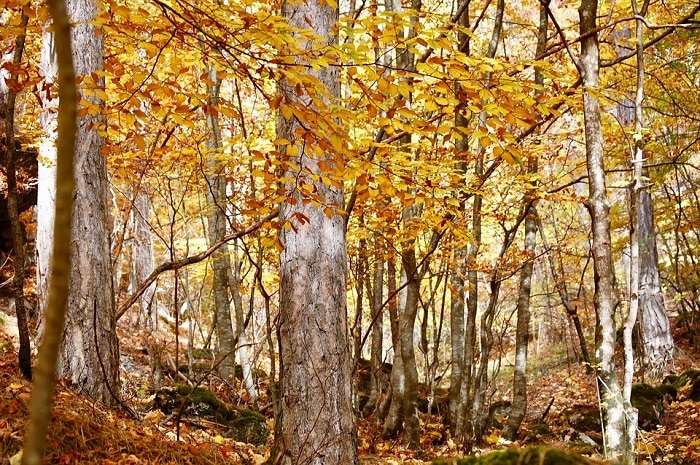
(687, 378)
(250, 427)
(498, 414)
(244, 425)
(540, 455)
(583, 418)
(649, 401)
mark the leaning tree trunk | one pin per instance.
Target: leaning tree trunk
(89, 356)
(614, 420)
(316, 424)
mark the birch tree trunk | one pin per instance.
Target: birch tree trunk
(89, 356)
(316, 424)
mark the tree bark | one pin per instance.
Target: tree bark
(657, 340)
(18, 239)
(605, 300)
(216, 229)
(89, 355)
(316, 423)
(377, 376)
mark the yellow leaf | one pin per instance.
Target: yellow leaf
(287, 111)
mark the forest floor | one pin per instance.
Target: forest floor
(83, 431)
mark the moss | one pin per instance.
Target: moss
(203, 354)
(250, 427)
(686, 378)
(244, 425)
(649, 401)
(583, 418)
(669, 391)
(541, 428)
(540, 455)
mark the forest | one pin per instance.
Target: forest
(318, 232)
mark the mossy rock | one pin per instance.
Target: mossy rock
(583, 418)
(499, 412)
(202, 354)
(249, 427)
(195, 402)
(669, 392)
(540, 455)
(649, 401)
(686, 378)
(244, 425)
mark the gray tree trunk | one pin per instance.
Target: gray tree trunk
(457, 279)
(605, 300)
(522, 331)
(377, 376)
(657, 340)
(142, 258)
(89, 356)
(409, 310)
(316, 424)
(216, 229)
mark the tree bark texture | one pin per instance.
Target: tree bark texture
(605, 300)
(89, 356)
(90, 350)
(216, 229)
(316, 424)
(657, 340)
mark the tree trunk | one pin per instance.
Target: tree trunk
(409, 310)
(522, 330)
(377, 376)
(18, 240)
(316, 424)
(89, 355)
(216, 229)
(142, 256)
(658, 345)
(65, 127)
(614, 421)
(457, 277)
